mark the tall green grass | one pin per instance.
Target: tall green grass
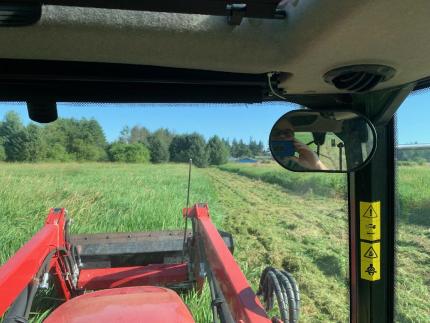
(99, 198)
(414, 191)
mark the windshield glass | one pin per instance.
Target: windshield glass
(413, 222)
(123, 168)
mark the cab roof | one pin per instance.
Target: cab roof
(315, 37)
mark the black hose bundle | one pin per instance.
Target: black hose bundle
(280, 283)
(20, 309)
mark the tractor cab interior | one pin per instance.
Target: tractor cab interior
(349, 64)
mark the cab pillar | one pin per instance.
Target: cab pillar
(372, 216)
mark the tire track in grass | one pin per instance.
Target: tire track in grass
(306, 235)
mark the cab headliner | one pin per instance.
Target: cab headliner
(316, 37)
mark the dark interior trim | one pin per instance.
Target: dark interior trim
(63, 81)
(68, 81)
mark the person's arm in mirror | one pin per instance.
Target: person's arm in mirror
(307, 158)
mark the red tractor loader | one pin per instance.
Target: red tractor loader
(128, 277)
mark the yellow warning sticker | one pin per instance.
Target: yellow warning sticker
(370, 221)
(370, 260)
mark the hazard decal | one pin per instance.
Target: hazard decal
(370, 221)
(370, 261)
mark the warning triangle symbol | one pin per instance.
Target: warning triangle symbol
(370, 253)
(370, 213)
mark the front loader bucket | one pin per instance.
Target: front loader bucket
(109, 250)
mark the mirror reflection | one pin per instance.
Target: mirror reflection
(306, 140)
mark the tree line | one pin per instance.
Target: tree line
(84, 140)
(417, 155)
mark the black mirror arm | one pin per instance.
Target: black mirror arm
(340, 146)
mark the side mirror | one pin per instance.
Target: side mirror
(322, 141)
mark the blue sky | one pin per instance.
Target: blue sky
(241, 121)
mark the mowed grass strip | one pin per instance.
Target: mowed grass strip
(413, 231)
(305, 234)
(330, 185)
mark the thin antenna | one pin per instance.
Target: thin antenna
(188, 204)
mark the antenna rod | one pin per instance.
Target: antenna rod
(188, 204)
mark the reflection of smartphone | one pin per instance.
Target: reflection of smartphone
(283, 148)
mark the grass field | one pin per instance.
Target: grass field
(413, 232)
(99, 198)
(287, 220)
(329, 185)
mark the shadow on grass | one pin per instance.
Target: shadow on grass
(418, 213)
(330, 185)
(329, 265)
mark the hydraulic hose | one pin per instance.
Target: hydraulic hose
(20, 309)
(282, 285)
(16, 312)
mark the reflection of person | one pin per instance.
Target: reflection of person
(307, 160)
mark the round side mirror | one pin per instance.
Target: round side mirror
(328, 141)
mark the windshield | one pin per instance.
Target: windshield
(123, 168)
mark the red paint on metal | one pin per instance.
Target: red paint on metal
(243, 303)
(60, 282)
(160, 274)
(128, 304)
(19, 270)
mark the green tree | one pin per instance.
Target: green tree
(56, 135)
(2, 151)
(128, 153)
(159, 150)
(124, 135)
(88, 141)
(139, 134)
(193, 146)
(227, 145)
(36, 145)
(217, 151)
(57, 152)
(85, 151)
(165, 135)
(116, 151)
(253, 147)
(234, 148)
(14, 137)
(92, 132)
(260, 148)
(241, 149)
(137, 153)
(81, 139)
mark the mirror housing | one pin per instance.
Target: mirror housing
(42, 111)
(322, 141)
